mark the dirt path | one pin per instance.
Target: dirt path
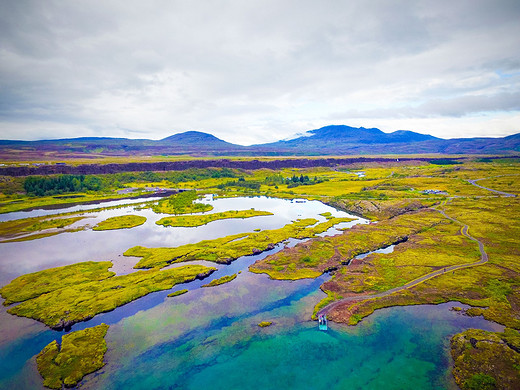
(464, 231)
(490, 189)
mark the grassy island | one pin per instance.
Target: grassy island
(199, 220)
(32, 285)
(120, 222)
(219, 281)
(229, 248)
(33, 228)
(177, 293)
(81, 353)
(181, 203)
(310, 259)
(69, 303)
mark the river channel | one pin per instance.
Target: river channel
(209, 337)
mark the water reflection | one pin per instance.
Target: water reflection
(19, 258)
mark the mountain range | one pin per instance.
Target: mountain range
(329, 140)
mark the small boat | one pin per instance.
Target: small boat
(322, 322)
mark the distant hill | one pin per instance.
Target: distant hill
(328, 140)
(346, 140)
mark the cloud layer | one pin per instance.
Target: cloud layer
(258, 71)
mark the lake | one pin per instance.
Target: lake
(210, 338)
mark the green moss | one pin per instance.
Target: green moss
(484, 360)
(12, 230)
(181, 203)
(176, 293)
(229, 248)
(120, 222)
(480, 382)
(265, 324)
(331, 297)
(81, 353)
(219, 281)
(313, 257)
(199, 220)
(37, 283)
(78, 302)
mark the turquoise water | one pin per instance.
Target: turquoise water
(209, 338)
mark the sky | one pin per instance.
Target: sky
(254, 71)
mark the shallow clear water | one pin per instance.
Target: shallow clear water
(209, 338)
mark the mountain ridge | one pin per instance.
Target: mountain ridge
(327, 140)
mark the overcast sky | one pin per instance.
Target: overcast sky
(251, 71)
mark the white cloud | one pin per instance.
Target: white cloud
(252, 72)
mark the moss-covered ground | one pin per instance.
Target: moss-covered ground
(177, 293)
(181, 203)
(486, 360)
(80, 353)
(310, 259)
(120, 222)
(219, 281)
(29, 228)
(32, 285)
(229, 248)
(199, 220)
(69, 303)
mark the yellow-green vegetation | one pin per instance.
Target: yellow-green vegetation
(21, 229)
(312, 258)
(226, 249)
(81, 353)
(493, 289)
(199, 220)
(120, 222)
(71, 303)
(486, 360)
(265, 324)
(219, 281)
(32, 285)
(177, 293)
(507, 183)
(327, 215)
(181, 203)
(22, 202)
(331, 297)
(380, 209)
